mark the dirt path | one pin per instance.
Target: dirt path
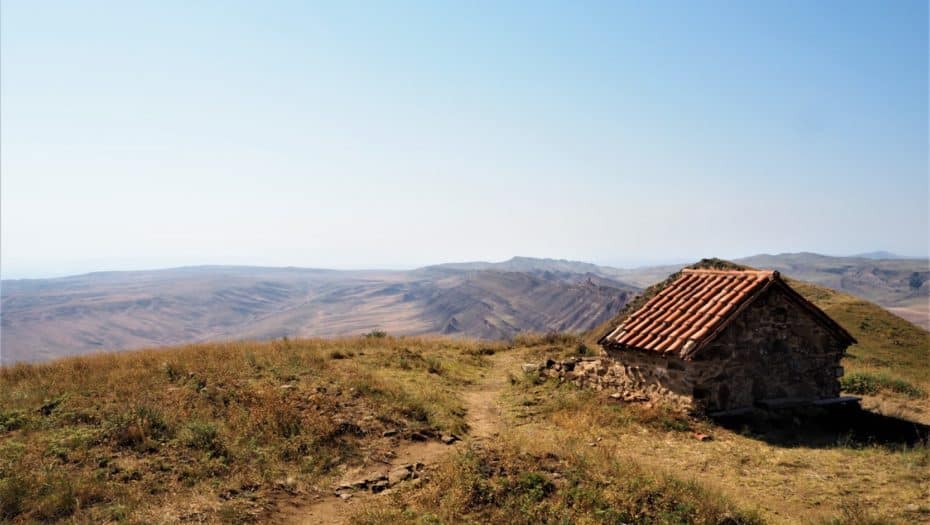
(483, 415)
(483, 399)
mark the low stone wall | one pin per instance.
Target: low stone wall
(638, 379)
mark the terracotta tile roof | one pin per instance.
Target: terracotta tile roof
(691, 311)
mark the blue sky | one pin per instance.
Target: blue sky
(360, 135)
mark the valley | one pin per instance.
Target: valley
(46, 318)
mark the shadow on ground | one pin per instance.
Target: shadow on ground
(828, 427)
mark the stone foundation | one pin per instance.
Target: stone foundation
(641, 378)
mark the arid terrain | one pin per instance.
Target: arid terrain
(379, 429)
(124, 310)
(46, 318)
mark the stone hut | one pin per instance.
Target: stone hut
(727, 340)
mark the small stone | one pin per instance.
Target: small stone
(592, 444)
(912, 507)
(289, 483)
(397, 475)
(616, 395)
(287, 386)
(448, 439)
(345, 495)
(379, 486)
(418, 436)
(359, 484)
(389, 433)
(529, 368)
(701, 437)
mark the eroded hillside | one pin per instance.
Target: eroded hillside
(42, 319)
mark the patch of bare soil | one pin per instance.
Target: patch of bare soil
(409, 460)
(918, 314)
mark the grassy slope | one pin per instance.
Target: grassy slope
(887, 343)
(213, 432)
(218, 432)
(813, 476)
(224, 432)
(566, 455)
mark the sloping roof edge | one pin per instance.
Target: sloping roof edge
(767, 280)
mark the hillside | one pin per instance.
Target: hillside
(243, 432)
(406, 430)
(47, 318)
(892, 352)
(899, 284)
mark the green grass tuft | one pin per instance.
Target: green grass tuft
(872, 384)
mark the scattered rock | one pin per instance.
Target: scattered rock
(530, 367)
(397, 475)
(418, 436)
(285, 387)
(389, 433)
(288, 484)
(359, 484)
(632, 397)
(345, 496)
(379, 486)
(701, 437)
(616, 395)
(449, 439)
(344, 427)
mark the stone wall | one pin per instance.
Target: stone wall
(774, 349)
(641, 377)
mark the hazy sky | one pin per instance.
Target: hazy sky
(391, 134)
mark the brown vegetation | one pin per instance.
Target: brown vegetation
(213, 432)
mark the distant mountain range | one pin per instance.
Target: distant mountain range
(45, 318)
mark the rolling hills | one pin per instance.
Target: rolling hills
(245, 432)
(48, 318)
(900, 284)
(45, 318)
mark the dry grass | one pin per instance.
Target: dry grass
(800, 468)
(528, 482)
(213, 432)
(222, 432)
